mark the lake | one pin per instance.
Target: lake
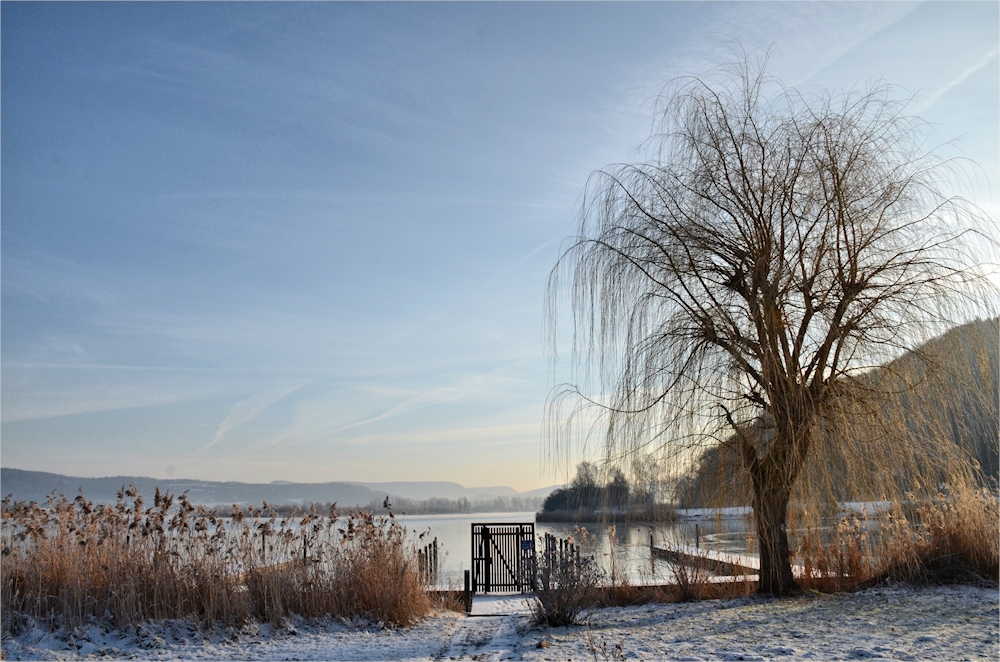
(628, 548)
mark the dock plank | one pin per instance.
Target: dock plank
(725, 563)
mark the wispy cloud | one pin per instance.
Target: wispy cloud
(931, 100)
(310, 424)
(312, 417)
(245, 411)
(475, 292)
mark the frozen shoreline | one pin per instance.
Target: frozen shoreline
(939, 623)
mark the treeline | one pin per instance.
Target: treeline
(432, 506)
(439, 506)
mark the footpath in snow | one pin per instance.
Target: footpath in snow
(941, 623)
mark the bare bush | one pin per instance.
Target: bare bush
(567, 585)
(691, 579)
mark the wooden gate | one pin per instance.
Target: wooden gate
(503, 558)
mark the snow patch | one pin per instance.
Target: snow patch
(940, 623)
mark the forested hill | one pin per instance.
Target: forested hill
(959, 403)
(37, 485)
(966, 362)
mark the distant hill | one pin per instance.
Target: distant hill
(37, 485)
(954, 400)
(441, 490)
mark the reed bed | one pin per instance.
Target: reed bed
(957, 539)
(69, 562)
(954, 538)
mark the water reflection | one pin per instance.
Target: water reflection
(623, 548)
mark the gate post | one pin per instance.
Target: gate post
(487, 559)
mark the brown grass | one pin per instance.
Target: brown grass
(841, 563)
(955, 538)
(70, 561)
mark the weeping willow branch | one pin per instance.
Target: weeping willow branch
(738, 288)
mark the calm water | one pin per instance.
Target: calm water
(627, 548)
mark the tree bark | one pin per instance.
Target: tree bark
(772, 477)
(771, 515)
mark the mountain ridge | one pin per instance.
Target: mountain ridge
(38, 485)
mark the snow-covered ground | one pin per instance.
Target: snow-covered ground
(943, 623)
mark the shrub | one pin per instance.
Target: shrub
(690, 579)
(567, 584)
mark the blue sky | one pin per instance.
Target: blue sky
(259, 241)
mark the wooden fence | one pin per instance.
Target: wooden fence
(428, 560)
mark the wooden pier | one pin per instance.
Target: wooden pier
(720, 563)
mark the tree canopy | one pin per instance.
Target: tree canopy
(736, 286)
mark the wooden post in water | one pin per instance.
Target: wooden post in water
(434, 567)
(697, 537)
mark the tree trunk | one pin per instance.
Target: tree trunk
(771, 515)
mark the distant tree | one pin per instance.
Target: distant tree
(559, 500)
(585, 490)
(616, 492)
(734, 287)
(587, 493)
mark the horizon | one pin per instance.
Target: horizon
(266, 242)
(292, 482)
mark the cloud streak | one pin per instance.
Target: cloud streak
(961, 78)
(245, 411)
(476, 291)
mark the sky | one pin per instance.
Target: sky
(310, 242)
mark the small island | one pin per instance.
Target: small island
(615, 500)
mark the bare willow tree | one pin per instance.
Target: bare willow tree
(737, 286)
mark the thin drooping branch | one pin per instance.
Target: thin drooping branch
(746, 277)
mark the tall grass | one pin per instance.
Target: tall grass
(841, 562)
(954, 538)
(957, 539)
(66, 562)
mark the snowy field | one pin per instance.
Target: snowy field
(943, 623)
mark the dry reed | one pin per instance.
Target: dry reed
(67, 562)
(954, 538)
